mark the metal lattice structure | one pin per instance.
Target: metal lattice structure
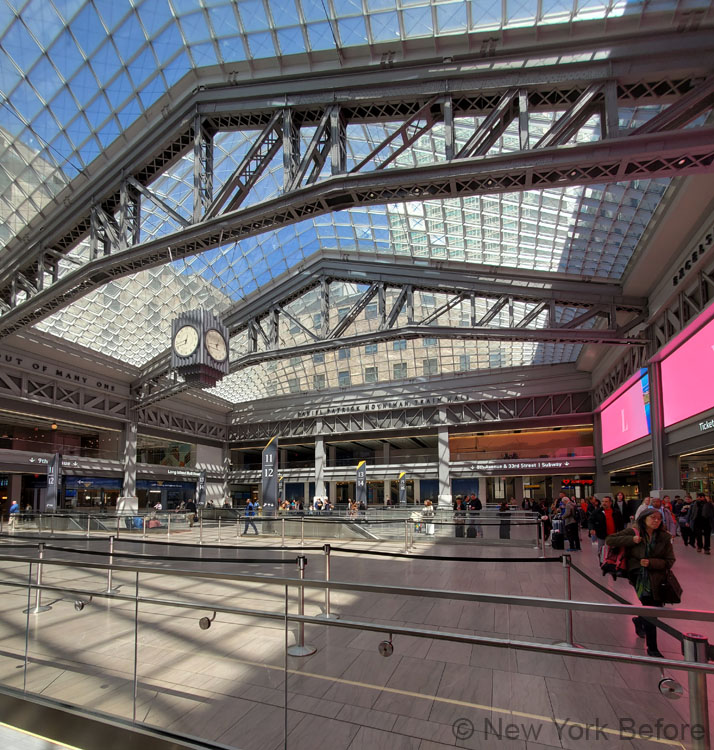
(32, 283)
(472, 413)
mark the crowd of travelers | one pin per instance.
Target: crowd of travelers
(634, 541)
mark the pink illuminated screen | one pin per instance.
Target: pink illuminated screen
(625, 419)
(687, 385)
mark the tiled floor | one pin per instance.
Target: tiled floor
(229, 683)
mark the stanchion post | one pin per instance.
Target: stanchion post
(52, 524)
(695, 648)
(110, 589)
(542, 538)
(143, 525)
(38, 583)
(568, 591)
(283, 530)
(119, 524)
(200, 526)
(168, 528)
(89, 521)
(219, 529)
(327, 615)
(302, 531)
(300, 649)
(406, 535)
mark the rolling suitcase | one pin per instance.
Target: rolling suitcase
(471, 532)
(460, 531)
(557, 540)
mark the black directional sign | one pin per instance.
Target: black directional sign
(361, 482)
(54, 481)
(270, 477)
(403, 488)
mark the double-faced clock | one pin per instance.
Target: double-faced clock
(199, 348)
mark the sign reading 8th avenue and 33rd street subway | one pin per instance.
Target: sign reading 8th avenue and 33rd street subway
(533, 465)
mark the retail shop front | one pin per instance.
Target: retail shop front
(533, 463)
(84, 482)
(538, 478)
(692, 442)
(165, 485)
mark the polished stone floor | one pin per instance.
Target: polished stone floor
(232, 682)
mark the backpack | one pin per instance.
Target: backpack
(613, 562)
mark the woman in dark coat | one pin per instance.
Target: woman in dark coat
(649, 555)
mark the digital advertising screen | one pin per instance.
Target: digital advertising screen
(627, 418)
(687, 377)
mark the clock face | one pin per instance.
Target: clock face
(185, 341)
(216, 345)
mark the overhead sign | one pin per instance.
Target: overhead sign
(54, 479)
(201, 489)
(46, 461)
(577, 482)
(270, 477)
(696, 253)
(534, 465)
(361, 483)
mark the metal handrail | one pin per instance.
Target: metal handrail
(393, 629)
(520, 601)
(695, 663)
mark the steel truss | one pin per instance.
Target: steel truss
(163, 419)
(25, 388)
(693, 295)
(544, 295)
(32, 286)
(473, 413)
(39, 389)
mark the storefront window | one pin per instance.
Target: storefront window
(698, 474)
(91, 492)
(542, 443)
(169, 494)
(151, 450)
(46, 436)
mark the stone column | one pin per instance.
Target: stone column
(128, 502)
(518, 488)
(444, 464)
(387, 484)
(319, 467)
(226, 471)
(602, 476)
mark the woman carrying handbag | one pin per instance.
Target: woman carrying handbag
(649, 557)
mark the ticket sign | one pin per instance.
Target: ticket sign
(403, 488)
(270, 477)
(361, 483)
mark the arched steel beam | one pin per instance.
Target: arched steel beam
(623, 159)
